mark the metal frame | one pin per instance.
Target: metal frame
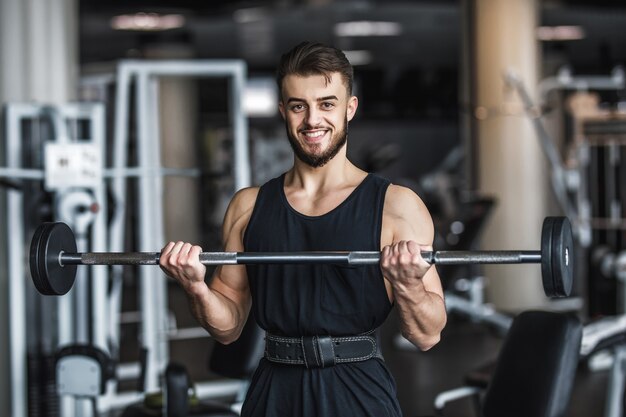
(99, 277)
(574, 180)
(561, 176)
(565, 179)
(564, 80)
(17, 300)
(145, 75)
(150, 188)
(15, 268)
(617, 382)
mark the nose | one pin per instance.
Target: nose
(313, 116)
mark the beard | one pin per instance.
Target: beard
(319, 160)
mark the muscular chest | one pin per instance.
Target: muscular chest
(317, 204)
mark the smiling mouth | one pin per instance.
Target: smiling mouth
(314, 135)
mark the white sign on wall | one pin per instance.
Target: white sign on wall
(72, 165)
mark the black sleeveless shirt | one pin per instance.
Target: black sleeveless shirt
(308, 300)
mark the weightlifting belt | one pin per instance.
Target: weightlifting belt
(321, 351)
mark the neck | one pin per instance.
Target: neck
(337, 171)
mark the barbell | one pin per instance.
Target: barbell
(53, 258)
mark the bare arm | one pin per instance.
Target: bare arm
(413, 283)
(223, 305)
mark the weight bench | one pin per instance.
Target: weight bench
(534, 373)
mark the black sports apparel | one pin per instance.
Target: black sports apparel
(309, 300)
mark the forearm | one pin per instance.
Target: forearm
(222, 317)
(422, 314)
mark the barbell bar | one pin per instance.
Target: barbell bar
(53, 258)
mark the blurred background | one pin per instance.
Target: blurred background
(135, 121)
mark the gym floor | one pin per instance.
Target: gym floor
(420, 376)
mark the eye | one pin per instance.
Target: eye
(327, 105)
(297, 108)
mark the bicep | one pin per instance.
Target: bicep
(410, 220)
(422, 232)
(232, 280)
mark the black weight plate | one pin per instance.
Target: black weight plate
(546, 256)
(38, 274)
(562, 257)
(49, 241)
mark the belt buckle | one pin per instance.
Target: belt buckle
(318, 351)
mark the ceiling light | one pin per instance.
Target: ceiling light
(367, 28)
(358, 57)
(560, 33)
(253, 14)
(147, 21)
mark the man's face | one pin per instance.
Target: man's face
(316, 113)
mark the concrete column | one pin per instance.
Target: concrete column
(508, 160)
(38, 47)
(38, 62)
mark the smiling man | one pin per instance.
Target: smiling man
(322, 355)
(307, 119)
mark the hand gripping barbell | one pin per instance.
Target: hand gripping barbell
(53, 258)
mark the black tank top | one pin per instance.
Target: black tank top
(308, 300)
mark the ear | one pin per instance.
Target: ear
(281, 109)
(353, 103)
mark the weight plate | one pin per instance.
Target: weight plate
(39, 275)
(49, 241)
(562, 257)
(546, 256)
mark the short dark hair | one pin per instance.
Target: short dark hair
(308, 58)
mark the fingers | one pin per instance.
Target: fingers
(405, 252)
(413, 247)
(179, 254)
(403, 260)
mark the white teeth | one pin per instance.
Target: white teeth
(315, 134)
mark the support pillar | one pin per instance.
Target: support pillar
(38, 62)
(507, 161)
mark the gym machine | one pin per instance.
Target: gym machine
(590, 188)
(89, 211)
(64, 137)
(576, 187)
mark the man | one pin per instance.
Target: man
(321, 358)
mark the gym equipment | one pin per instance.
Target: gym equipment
(529, 378)
(83, 370)
(236, 362)
(53, 258)
(610, 263)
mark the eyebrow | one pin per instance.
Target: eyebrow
(292, 99)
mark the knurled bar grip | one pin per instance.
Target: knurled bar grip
(349, 258)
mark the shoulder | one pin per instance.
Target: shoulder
(241, 206)
(401, 199)
(403, 207)
(245, 198)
